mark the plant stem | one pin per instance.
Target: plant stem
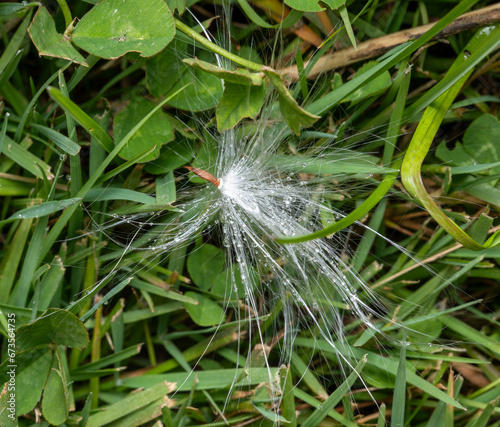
(66, 12)
(217, 49)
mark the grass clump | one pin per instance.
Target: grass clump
(132, 292)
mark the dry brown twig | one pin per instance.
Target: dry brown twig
(376, 47)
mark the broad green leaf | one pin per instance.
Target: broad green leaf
(239, 101)
(172, 156)
(374, 87)
(334, 4)
(46, 208)
(157, 132)
(49, 42)
(31, 373)
(10, 8)
(482, 139)
(8, 417)
(230, 278)
(115, 27)
(180, 5)
(55, 326)
(207, 312)
(205, 265)
(294, 115)
(55, 401)
(166, 73)
(305, 5)
(480, 149)
(457, 156)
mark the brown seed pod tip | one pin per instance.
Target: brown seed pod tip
(204, 174)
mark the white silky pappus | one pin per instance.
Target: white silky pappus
(263, 193)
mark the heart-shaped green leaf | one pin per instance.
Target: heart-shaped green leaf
(114, 27)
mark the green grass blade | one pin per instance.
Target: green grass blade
(472, 335)
(349, 219)
(31, 104)
(385, 364)
(398, 401)
(302, 395)
(11, 261)
(422, 140)
(15, 43)
(63, 219)
(26, 159)
(330, 403)
(396, 55)
(129, 404)
(483, 420)
(42, 210)
(89, 124)
(63, 142)
(288, 401)
(487, 39)
(381, 416)
(105, 298)
(11, 67)
(4, 130)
